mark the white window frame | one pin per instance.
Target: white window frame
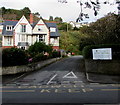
(52, 29)
(9, 28)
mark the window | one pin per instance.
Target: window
(23, 28)
(52, 29)
(41, 38)
(9, 28)
(8, 40)
(23, 38)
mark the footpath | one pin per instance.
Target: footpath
(99, 78)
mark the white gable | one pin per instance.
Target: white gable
(23, 21)
(40, 28)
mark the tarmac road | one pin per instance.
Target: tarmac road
(61, 82)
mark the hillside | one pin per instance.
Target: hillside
(13, 14)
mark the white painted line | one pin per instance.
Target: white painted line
(82, 85)
(51, 79)
(77, 81)
(67, 75)
(83, 90)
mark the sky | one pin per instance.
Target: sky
(68, 12)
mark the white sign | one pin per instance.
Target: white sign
(102, 54)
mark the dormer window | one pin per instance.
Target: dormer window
(9, 28)
(52, 29)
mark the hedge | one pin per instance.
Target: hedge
(87, 51)
(13, 57)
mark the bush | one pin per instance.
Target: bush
(13, 57)
(56, 54)
(39, 57)
(87, 51)
(39, 47)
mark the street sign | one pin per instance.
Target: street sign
(102, 54)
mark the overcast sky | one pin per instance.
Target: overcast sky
(68, 12)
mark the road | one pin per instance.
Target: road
(61, 82)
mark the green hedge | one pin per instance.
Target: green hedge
(87, 51)
(13, 57)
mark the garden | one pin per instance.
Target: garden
(35, 53)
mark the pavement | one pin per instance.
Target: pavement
(100, 78)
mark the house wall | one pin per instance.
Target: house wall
(1, 28)
(42, 30)
(6, 42)
(18, 33)
(54, 41)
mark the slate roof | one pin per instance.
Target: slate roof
(53, 25)
(5, 23)
(13, 23)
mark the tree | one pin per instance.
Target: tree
(104, 31)
(39, 47)
(64, 26)
(3, 10)
(95, 5)
(51, 18)
(26, 11)
(58, 19)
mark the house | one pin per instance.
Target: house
(22, 33)
(75, 24)
(7, 33)
(78, 25)
(46, 32)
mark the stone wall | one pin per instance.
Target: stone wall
(103, 66)
(26, 68)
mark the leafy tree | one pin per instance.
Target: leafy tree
(103, 31)
(70, 40)
(64, 26)
(58, 19)
(51, 18)
(39, 47)
(95, 5)
(26, 11)
(3, 10)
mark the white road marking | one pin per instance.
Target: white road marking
(67, 75)
(51, 79)
(83, 90)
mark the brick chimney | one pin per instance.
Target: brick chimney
(31, 18)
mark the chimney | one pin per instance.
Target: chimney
(31, 19)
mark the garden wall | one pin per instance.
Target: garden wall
(111, 67)
(26, 68)
(100, 66)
